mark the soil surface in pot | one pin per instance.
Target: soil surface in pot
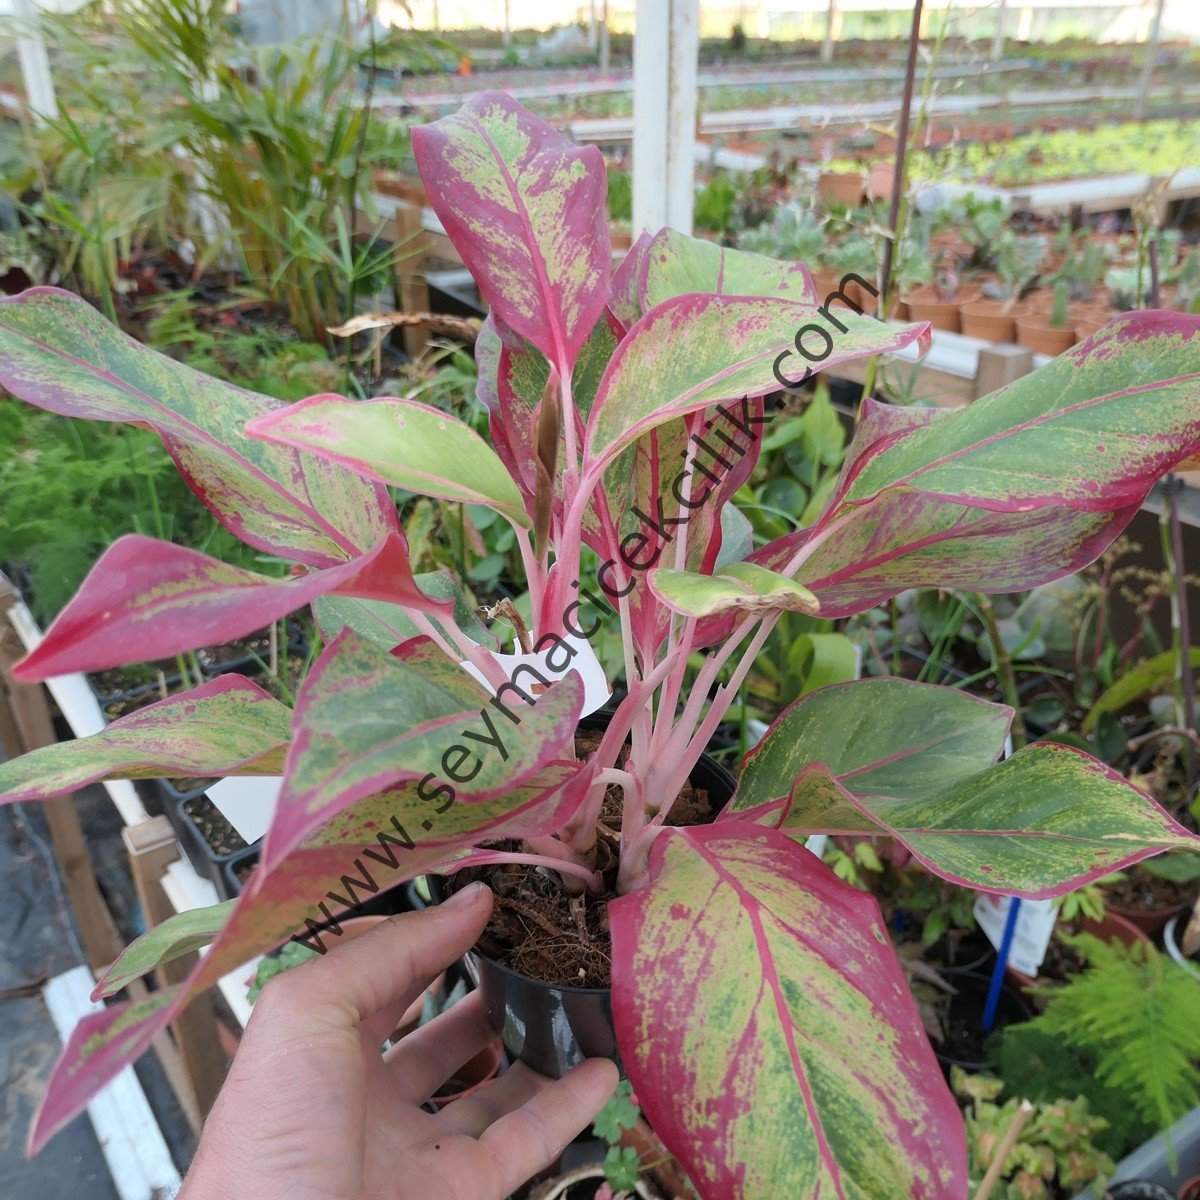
(1140, 891)
(962, 1022)
(214, 657)
(216, 831)
(537, 927)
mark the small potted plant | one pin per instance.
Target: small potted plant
(1017, 261)
(1053, 333)
(754, 995)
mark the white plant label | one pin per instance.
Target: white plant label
(582, 659)
(247, 802)
(1035, 924)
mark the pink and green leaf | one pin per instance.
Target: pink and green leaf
(1044, 822)
(228, 726)
(742, 588)
(525, 207)
(792, 1061)
(1091, 431)
(58, 353)
(178, 935)
(733, 346)
(624, 301)
(367, 720)
(402, 443)
(148, 599)
(918, 763)
(675, 264)
(387, 624)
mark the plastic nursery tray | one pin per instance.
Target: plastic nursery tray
(200, 854)
(247, 664)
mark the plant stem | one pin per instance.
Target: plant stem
(1004, 670)
(1171, 533)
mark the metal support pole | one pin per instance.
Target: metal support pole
(664, 108)
(1139, 109)
(832, 22)
(998, 36)
(605, 53)
(35, 64)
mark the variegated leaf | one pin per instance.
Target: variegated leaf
(740, 587)
(387, 625)
(1044, 822)
(525, 207)
(889, 735)
(399, 442)
(148, 599)
(58, 353)
(522, 376)
(624, 301)
(696, 351)
(178, 935)
(917, 762)
(675, 265)
(904, 539)
(228, 726)
(1078, 445)
(769, 1032)
(367, 720)
(1091, 431)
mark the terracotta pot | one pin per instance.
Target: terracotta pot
(1191, 1189)
(924, 304)
(988, 320)
(1090, 317)
(622, 239)
(1110, 928)
(473, 1075)
(825, 282)
(841, 187)
(1036, 333)
(880, 180)
(1150, 923)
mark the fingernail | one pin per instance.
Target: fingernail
(466, 897)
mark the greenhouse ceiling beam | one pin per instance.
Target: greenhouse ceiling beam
(666, 48)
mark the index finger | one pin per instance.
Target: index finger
(388, 965)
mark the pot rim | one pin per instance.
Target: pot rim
(437, 880)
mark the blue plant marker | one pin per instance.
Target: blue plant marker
(993, 996)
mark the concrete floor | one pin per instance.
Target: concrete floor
(40, 942)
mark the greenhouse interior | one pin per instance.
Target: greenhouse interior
(680, 517)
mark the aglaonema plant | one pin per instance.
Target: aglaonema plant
(760, 1012)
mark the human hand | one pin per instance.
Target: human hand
(312, 1111)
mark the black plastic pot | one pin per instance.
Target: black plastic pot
(552, 1028)
(1138, 1189)
(972, 990)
